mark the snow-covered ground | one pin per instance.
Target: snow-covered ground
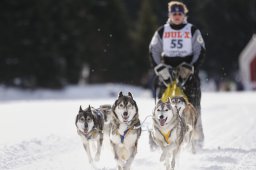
(41, 134)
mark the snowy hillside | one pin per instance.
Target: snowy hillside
(41, 134)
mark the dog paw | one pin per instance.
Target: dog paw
(162, 158)
(167, 166)
(97, 157)
(90, 161)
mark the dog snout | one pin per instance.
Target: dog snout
(161, 117)
(85, 125)
(125, 113)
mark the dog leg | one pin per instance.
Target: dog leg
(167, 164)
(99, 146)
(163, 155)
(119, 167)
(199, 130)
(174, 155)
(121, 164)
(88, 151)
(152, 143)
(194, 142)
(130, 160)
(114, 150)
(199, 134)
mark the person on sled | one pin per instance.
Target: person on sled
(175, 43)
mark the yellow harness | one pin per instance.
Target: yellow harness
(173, 90)
(166, 136)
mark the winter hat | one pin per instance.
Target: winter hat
(176, 6)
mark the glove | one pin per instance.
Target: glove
(185, 71)
(162, 71)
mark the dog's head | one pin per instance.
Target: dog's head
(179, 103)
(85, 120)
(163, 112)
(125, 108)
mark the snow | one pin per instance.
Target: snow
(70, 92)
(40, 134)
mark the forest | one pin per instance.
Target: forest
(47, 44)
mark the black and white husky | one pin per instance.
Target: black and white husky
(125, 130)
(192, 121)
(90, 124)
(168, 132)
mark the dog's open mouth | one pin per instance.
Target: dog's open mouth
(85, 131)
(125, 118)
(162, 121)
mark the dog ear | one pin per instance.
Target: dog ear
(76, 120)
(159, 102)
(130, 94)
(169, 100)
(89, 108)
(80, 109)
(120, 94)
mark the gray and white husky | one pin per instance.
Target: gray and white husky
(125, 130)
(90, 124)
(168, 132)
(191, 118)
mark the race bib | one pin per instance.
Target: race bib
(177, 43)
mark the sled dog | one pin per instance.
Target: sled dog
(168, 132)
(90, 124)
(125, 130)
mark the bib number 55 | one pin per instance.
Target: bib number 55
(176, 43)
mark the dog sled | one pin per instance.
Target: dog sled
(174, 79)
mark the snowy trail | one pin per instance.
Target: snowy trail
(41, 135)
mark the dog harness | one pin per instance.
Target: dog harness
(131, 127)
(173, 90)
(166, 136)
(123, 136)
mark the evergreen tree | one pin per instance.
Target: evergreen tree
(145, 28)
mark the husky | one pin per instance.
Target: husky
(190, 116)
(90, 124)
(125, 130)
(107, 111)
(168, 132)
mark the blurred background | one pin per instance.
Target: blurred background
(53, 44)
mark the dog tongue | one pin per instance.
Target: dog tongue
(162, 122)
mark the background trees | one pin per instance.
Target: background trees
(46, 43)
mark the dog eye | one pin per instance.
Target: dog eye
(121, 105)
(82, 119)
(166, 110)
(129, 105)
(88, 119)
(158, 110)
